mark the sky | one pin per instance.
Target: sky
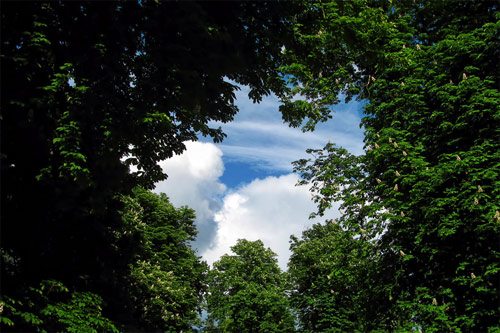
(244, 187)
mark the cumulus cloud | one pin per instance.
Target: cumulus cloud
(193, 180)
(269, 209)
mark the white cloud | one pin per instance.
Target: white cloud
(193, 180)
(269, 209)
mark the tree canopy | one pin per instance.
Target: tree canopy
(90, 89)
(164, 283)
(335, 278)
(95, 94)
(160, 286)
(246, 291)
(426, 190)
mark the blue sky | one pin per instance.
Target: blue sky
(244, 187)
(259, 144)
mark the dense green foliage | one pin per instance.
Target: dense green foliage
(161, 287)
(426, 192)
(246, 292)
(165, 281)
(335, 279)
(90, 89)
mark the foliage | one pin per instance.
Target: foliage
(137, 84)
(90, 89)
(51, 307)
(165, 282)
(160, 288)
(246, 292)
(335, 280)
(426, 191)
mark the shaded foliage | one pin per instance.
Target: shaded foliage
(161, 287)
(51, 307)
(90, 89)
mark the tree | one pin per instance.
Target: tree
(336, 281)
(89, 89)
(426, 190)
(160, 288)
(165, 281)
(246, 292)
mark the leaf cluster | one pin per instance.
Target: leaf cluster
(51, 307)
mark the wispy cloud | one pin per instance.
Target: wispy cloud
(272, 158)
(259, 136)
